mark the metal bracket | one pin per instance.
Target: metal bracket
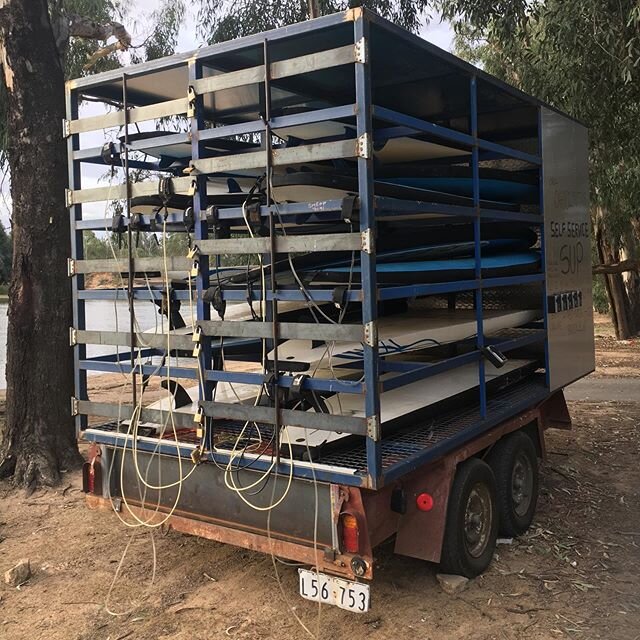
(68, 197)
(191, 102)
(298, 381)
(71, 267)
(66, 128)
(363, 146)
(75, 407)
(371, 334)
(73, 336)
(366, 243)
(361, 51)
(373, 427)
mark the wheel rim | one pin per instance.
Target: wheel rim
(521, 484)
(478, 517)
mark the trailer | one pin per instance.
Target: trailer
(386, 288)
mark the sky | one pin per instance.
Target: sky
(437, 32)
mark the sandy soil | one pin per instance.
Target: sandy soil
(618, 358)
(573, 575)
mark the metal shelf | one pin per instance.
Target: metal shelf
(284, 77)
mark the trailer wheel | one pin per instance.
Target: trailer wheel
(472, 520)
(514, 462)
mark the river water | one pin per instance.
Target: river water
(101, 315)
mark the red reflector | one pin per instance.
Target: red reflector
(424, 502)
(350, 533)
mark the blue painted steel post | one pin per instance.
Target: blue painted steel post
(475, 170)
(368, 257)
(543, 262)
(201, 231)
(77, 253)
(271, 314)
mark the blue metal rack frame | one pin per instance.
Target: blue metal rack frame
(362, 113)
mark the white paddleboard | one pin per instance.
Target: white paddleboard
(409, 331)
(402, 401)
(393, 151)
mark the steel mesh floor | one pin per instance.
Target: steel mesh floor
(436, 436)
(401, 446)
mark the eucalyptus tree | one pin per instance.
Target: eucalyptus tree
(41, 44)
(582, 56)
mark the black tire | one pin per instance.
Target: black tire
(472, 520)
(514, 461)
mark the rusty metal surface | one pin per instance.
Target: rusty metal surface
(420, 533)
(205, 496)
(338, 565)
(554, 412)
(381, 520)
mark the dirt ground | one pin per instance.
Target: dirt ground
(573, 575)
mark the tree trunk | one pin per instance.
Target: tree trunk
(38, 440)
(614, 284)
(632, 278)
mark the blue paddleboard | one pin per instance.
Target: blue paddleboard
(422, 271)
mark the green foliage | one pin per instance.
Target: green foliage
(79, 50)
(218, 20)
(600, 298)
(165, 23)
(106, 246)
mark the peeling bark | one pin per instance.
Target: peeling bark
(38, 439)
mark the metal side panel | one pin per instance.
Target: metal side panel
(567, 248)
(204, 496)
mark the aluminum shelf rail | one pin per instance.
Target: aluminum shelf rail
(285, 76)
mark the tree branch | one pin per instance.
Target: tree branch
(617, 267)
(85, 28)
(80, 27)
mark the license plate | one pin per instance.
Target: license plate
(352, 596)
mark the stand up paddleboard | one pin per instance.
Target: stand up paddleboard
(398, 333)
(306, 186)
(387, 152)
(495, 184)
(404, 405)
(423, 271)
(407, 243)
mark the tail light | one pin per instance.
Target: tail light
(350, 533)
